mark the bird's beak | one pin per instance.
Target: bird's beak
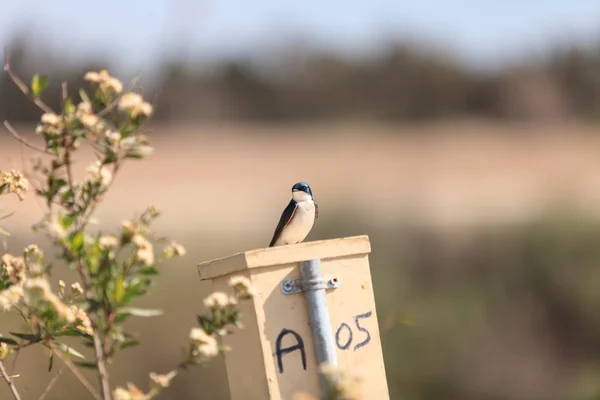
(295, 190)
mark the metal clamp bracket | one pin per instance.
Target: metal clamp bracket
(293, 286)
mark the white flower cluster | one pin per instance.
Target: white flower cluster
(134, 104)
(13, 182)
(52, 124)
(104, 80)
(99, 173)
(204, 344)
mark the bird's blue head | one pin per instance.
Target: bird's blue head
(301, 191)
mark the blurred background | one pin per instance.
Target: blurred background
(462, 136)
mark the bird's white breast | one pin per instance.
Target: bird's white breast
(300, 225)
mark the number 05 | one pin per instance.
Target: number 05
(345, 344)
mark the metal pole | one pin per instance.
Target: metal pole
(314, 285)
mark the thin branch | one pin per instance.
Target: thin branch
(135, 82)
(87, 285)
(21, 85)
(109, 107)
(101, 363)
(52, 383)
(15, 358)
(77, 374)
(68, 165)
(98, 349)
(10, 214)
(9, 382)
(65, 93)
(97, 150)
(14, 362)
(16, 135)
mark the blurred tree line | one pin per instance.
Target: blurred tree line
(403, 83)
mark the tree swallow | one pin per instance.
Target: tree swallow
(298, 217)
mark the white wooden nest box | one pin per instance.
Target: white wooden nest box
(273, 356)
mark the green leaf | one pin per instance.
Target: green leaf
(70, 332)
(69, 219)
(206, 323)
(129, 141)
(111, 156)
(68, 350)
(129, 343)
(93, 306)
(148, 271)
(35, 85)
(140, 152)
(27, 336)
(141, 312)
(69, 107)
(48, 268)
(119, 289)
(54, 185)
(224, 348)
(136, 287)
(8, 341)
(68, 195)
(87, 364)
(38, 84)
(77, 242)
(84, 96)
(120, 318)
(4, 232)
(50, 362)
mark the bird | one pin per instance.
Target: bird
(297, 218)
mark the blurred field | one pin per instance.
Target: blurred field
(484, 245)
(237, 177)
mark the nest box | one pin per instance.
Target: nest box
(273, 356)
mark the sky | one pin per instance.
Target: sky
(135, 33)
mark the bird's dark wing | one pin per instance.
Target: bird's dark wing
(286, 217)
(316, 210)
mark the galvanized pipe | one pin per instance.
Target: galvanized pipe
(314, 286)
